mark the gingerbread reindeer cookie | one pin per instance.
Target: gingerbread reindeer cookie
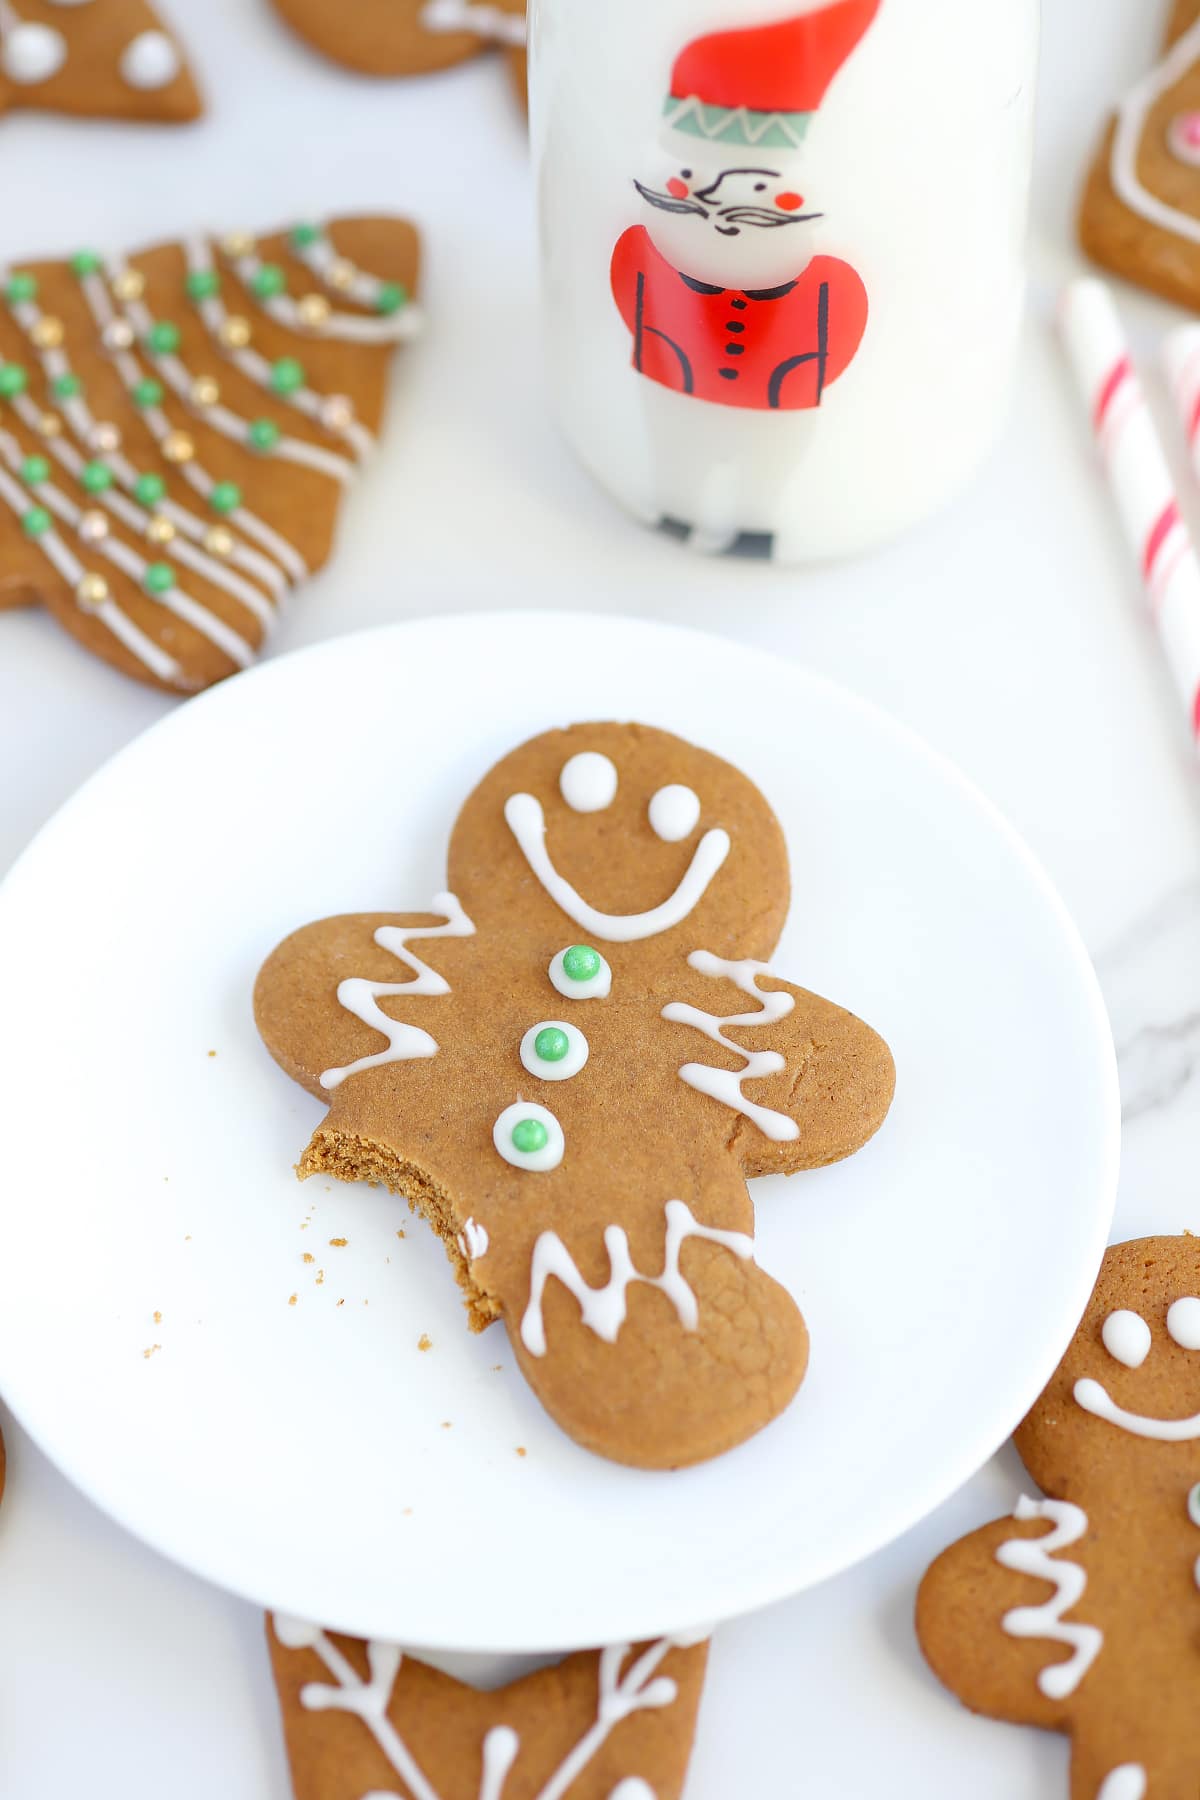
(411, 37)
(1081, 1613)
(99, 59)
(363, 1721)
(1141, 208)
(572, 1063)
(178, 428)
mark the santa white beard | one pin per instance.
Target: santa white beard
(760, 257)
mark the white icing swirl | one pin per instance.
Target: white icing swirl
(1033, 1556)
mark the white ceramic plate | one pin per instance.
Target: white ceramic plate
(310, 1455)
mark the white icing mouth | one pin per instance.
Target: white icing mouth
(527, 822)
(1094, 1397)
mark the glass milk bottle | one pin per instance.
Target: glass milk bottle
(782, 255)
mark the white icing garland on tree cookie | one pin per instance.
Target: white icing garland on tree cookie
(476, 16)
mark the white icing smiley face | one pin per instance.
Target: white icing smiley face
(588, 782)
(1126, 1336)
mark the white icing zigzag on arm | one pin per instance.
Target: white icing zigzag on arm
(724, 1084)
(360, 997)
(604, 1308)
(1032, 1556)
(619, 1697)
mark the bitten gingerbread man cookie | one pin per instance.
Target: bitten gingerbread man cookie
(572, 1063)
(178, 428)
(1141, 208)
(361, 1718)
(94, 58)
(1081, 1613)
(411, 37)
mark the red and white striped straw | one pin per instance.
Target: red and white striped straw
(1139, 476)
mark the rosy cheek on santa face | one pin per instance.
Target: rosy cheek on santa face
(789, 202)
(679, 190)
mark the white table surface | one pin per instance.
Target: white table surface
(1007, 632)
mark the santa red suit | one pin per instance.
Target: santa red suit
(775, 349)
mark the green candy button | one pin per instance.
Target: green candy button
(86, 262)
(36, 522)
(581, 963)
(305, 236)
(287, 375)
(96, 477)
(147, 392)
(263, 435)
(268, 281)
(159, 578)
(13, 381)
(202, 284)
(149, 489)
(225, 497)
(529, 1136)
(162, 339)
(20, 287)
(390, 297)
(66, 387)
(35, 470)
(552, 1043)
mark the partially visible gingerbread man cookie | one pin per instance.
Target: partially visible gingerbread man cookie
(1141, 208)
(411, 37)
(1081, 1613)
(100, 59)
(178, 429)
(362, 1720)
(572, 1063)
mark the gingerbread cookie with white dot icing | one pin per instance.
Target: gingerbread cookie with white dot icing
(178, 429)
(572, 1063)
(362, 1720)
(1141, 208)
(1081, 1613)
(411, 37)
(95, 59)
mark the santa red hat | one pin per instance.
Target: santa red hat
(761, 85)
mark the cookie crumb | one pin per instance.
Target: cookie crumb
(424, 1342)
(521, 1450)
(339, 1243)
(304, 1227)
(497, 1368)
(212, 1053)
(400, 1234)
(341, 1303)
(407, 1512)
(188, 1238)
(147, 1354)
(308, 1257)
(158, 1318)
(446, 1424)
(292, 1299)
(320, 1281)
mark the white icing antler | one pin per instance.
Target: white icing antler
(619, 1697)
(604, 1308)
(361, 997)
(723, 1084)
(1032, 1556)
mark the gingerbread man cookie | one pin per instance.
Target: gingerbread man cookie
(1081, 1613)
(572, 1063)
(1141, 208)
(177, 430)
(361, 1718)
(94, 58)
(411, 37)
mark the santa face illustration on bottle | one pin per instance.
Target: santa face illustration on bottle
(723, 291)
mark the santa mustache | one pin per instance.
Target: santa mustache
(732, 217)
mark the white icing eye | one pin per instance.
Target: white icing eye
(588, 782)
(529, 1137)
(1183, 1323)
(581, 973)
(150, 60)
(32, 53)
(1126, 1337)
(674, 813)
(633, 1788)
(1183, 138)
(553, 1050)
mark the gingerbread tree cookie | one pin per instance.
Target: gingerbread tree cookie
(177, 429)
(1081, 1614)
(411, 37)
(1141, 208)
(572, 1063)
(94, 58)
(363, 1721)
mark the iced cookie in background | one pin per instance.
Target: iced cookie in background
(113, 59)
(571, 1063)
(178, 428)
(1080, 1613)
(1141, 207)
(359, 1718)
(411, 37)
